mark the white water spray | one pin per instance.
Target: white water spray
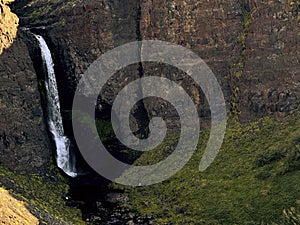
(54, 118)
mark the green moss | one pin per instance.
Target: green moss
(252, 180)
(238, 68)
(247, 19)
(41, 194)
(42, 89)
(35, 15)
(104, 129)
(44, 12)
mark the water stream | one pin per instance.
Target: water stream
(90, 193)
(54, 118)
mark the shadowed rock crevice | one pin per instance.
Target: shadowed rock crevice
(140, 113)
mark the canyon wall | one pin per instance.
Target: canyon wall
(24, 143)
(251, 46)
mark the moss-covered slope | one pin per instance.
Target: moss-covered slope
(42, 195)
(254, 180)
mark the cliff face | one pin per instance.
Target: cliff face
(210, 29)
(251, 46)
(24, 142)
(84, 32)
(269, 83)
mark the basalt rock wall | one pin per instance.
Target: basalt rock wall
(24, 142)
(251, 46)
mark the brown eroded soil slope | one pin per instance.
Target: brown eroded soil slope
(13, 211)
(8, 25)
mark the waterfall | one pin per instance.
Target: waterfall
(54, 117)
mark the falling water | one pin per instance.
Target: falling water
(54, 118)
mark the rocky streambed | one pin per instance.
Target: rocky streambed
(100, 203)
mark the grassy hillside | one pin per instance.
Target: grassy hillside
(254, 180)
(42, 195)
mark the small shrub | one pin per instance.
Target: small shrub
(293, 159)
(263, 175)
(268, 158)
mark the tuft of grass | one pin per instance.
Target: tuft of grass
(292, 216)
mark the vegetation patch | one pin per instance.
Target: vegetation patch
(253, 180)
(43, 12)
(42, 195)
